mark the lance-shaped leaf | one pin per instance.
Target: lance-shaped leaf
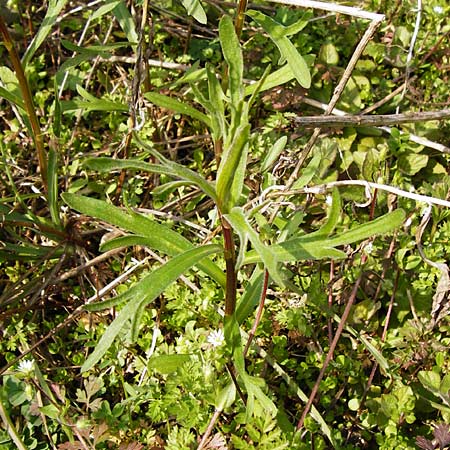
(333, 217)
(273, 154)
(167, 167)
(252, 295)
(126, 22)
(144, 292)
(178, 106)
(233, 56)
(252, 385)
(216, 104)
(195, 9)
(274, 79)
(321, 247)
(230, 176)
(241, 226)
(289, 53)
(51, 16)
(161, 237)
(381, 225)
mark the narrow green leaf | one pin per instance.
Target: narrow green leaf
(252, 294)
(52, 180)
(105, 165)
(53, 10)
(287, 49)
(144, 292)
(273, 154)
(333, 217)
(319, 247)
(277, 78)
(92, 103)
(126, 22)
(57, 114)
(240, 224)
(226, 397)
(308, 172)
(195, 9)
(216, 109)
(12, 98)
(176, 105)
(298, 26)
(181, 171)
(295, 250)
(168, 363)
(384, 224)
(164, 239)
(108, 6)
(233, 56)
(232, 160)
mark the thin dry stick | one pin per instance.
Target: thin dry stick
(412, 137)
(322, 188)
(371, 121)
(209, 429)
(27, 100)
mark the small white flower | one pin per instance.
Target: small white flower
(329, 200)
(216, 338)
(438, 9)
(26, 366)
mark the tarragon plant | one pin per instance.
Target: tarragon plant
(224, 108)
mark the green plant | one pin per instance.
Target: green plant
(228, 119)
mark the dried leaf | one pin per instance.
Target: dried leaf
(442, 435)
(217, 442)
(424, 443)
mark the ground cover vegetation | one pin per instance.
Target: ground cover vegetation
(191, 258)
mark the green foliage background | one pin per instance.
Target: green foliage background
(134, 215)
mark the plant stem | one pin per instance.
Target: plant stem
(27, 99)
(230, 261)
(239, 20)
